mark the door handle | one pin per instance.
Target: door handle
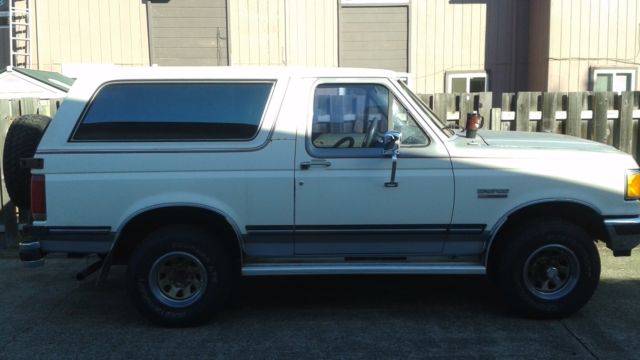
(306, 165)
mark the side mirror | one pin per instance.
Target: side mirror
(390, 141)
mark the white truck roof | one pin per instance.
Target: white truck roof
(235, 72)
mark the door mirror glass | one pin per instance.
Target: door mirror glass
(391, 141)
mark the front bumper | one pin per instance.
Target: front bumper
(624, 235)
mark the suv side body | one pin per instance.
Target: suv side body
(284, 169)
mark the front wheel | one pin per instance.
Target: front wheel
(179, 276)
(548, 269)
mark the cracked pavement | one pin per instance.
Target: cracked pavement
(46, 314)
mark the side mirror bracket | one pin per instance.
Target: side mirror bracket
(391, 148)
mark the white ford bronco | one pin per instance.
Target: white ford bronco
(196, 177)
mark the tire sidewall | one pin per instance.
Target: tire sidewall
(531, 239)
(183, 239)
(22, 139)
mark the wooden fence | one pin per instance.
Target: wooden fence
(606, 117)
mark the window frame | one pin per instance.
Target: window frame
(89, 103)
(595, 71)
(468, 75)
(406, 151)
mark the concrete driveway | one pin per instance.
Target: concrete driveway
(45, 313)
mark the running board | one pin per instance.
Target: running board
(362, 269)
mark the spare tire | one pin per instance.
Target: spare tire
(21, 142)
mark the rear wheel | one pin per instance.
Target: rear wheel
(179, 276)
(548, 269)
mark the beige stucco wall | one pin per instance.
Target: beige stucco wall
(588, 33)
(89, 32)
(283, 32)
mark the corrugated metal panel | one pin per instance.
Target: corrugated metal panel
(188, 32)
(89, 32)
(585, 34)
(375, 37)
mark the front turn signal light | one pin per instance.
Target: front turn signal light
(633, 185)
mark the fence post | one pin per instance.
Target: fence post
(600, 107)
(484, 106)
(496, 119)
(466, 106)
(573, 124)
(622, 138)
(549, 105)
(523, 108)
(440, 106)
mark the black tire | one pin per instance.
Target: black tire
(22, 139)
(548, 268)
(152, 283)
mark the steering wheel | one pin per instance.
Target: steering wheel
(371, 133)
(344, 140)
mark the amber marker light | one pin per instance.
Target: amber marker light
(633, 185)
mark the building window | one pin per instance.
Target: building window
(613, 79)
(467, 82)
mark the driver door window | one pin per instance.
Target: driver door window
(357, 116)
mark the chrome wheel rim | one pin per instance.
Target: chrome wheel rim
(551, 272)
(178, 279)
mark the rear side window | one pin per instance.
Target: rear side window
(175, 111)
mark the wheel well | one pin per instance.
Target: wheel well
(579, 214)
(137, 229)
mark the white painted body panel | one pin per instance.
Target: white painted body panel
(537, 168)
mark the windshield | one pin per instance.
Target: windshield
(442, 124)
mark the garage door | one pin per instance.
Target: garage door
(374, 37)
(188, 32)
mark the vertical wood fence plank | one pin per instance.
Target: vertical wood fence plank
(523, 108)
(622, 134)
(15, 108)
(485, 101)
(496, 119)
(507, 99)
(28, 106)
(600, 107)
(440, 106)
(466, 106)
(5, 110)
(549, 103)
(573, 125)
